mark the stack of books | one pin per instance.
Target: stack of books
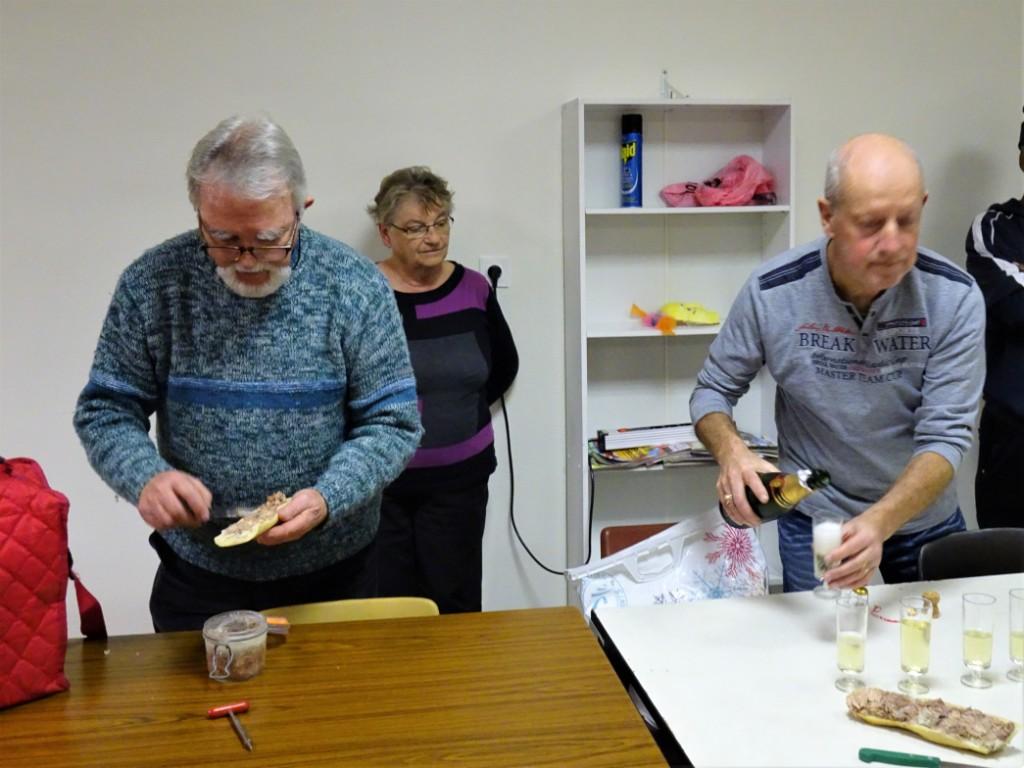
(638, 437)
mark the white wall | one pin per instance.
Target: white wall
(102, 101)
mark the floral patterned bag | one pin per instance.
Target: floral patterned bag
(698, 559)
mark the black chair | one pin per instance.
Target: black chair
(987, 552)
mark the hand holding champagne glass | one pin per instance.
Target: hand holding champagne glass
(1017, 635)
(915, 642)
(978, 618)
(851, 638)
(827, 535)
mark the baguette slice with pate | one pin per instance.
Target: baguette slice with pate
(932, 719)
(260, 520)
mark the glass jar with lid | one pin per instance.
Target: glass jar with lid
(236, 645)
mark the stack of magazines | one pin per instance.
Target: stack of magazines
(690, 452)
(759, 444)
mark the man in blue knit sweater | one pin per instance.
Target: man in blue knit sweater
(274, 360)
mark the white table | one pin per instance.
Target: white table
(751, 681)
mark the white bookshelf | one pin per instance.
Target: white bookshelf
(618, 372)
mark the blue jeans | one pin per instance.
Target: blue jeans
(899, 553)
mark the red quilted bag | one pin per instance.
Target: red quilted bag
(34, 570)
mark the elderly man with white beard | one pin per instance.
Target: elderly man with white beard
(274, 360)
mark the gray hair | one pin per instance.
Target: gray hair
(833, 175)
(836, 170)
(418, 181)
(251, 155)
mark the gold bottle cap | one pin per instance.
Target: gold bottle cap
(861, 591)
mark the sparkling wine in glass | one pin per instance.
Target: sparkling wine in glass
(1017, 635)
(851, 638)
(915, 643)
(979, 615)
(827, 534)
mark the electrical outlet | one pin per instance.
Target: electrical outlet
(486, 262)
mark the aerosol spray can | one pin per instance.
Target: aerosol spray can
(631, 156)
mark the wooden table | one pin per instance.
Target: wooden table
(507, 688)
(751, 681)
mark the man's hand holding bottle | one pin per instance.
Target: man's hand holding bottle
(739, 470)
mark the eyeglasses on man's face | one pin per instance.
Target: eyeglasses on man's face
(417, 230)
(231, 254)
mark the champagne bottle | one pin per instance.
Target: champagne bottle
(785, 491)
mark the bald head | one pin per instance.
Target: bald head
(871, 158)
(871, 214)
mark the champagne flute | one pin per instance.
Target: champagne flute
(915, 642)
(1017, 635)
(851, 638)
(827, 534)
(978, 618)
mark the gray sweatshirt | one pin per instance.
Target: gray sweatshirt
(856, 396)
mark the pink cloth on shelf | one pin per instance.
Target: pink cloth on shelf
(742, 182)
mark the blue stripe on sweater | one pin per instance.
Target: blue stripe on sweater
(401, 391)
(103, 381)
(927, 264)
(94, 390)
(271, 395)
(790, 272)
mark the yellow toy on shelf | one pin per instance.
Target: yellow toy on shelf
(676, 313)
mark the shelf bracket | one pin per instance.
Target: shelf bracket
(669, 91)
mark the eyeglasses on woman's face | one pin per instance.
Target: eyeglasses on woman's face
(417, 230)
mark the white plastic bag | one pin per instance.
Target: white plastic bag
(698, 559)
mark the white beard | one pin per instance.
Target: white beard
(278, 277)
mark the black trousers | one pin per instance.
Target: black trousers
(184, 596)
(431, 545)
(1000, 467)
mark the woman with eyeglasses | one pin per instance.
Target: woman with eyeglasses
(432, 518)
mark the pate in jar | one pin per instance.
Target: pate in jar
(236, 645)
